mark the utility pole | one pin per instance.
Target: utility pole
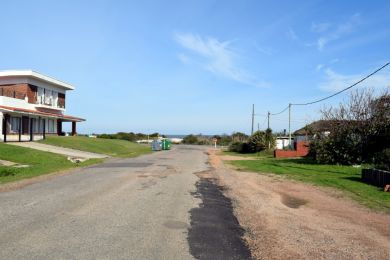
(268, 118)
(253, 117)
(258, 126)
(289, 124)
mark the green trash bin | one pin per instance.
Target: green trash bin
(166, 144)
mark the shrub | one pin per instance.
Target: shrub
(360, 131)
(7, 172)
(257, 142)
(190, 139)
(382, 160)
(239, 147)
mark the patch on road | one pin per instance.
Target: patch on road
(172, 224)
(122, 164)
(292, 202)
(215, 232)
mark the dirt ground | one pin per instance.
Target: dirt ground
(285, 219)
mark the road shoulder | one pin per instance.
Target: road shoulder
(284, 218)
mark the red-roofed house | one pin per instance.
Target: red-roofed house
(32, 106)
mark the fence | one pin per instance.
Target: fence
(376, 177)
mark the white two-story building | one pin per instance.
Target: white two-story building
(32, 106)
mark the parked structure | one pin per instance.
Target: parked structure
(32, 106)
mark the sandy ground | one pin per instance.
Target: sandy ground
(284, 219)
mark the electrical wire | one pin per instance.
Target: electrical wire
(280, 111)
(335, 94)
(351, 86)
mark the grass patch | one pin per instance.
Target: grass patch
(344, 178)
(262, 154)
(39, 163)
(112, 147)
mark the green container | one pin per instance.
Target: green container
(166, 144)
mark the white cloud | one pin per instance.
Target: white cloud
(333, 33)
(320, 27)
(183, 58)
(335, 81)
(319, 67)
(292, 35)
(218, 58)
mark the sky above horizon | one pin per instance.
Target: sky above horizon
(180, 67)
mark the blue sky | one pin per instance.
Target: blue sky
(179, 67)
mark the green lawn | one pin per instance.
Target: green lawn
(112, 147)
(344, 178)
(261, 154)
(40, 163)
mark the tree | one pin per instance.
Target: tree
(257, 142)
(360, 129)
(239, 137)
(270, 139)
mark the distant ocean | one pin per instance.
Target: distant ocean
(182, 136)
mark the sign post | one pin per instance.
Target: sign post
(215, 142)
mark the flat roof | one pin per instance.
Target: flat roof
(35, 75)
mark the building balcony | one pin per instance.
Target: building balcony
(50, 106)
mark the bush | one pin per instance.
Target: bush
(382, 160)
(239, 147)
(190, 139)
(7, 172)
(257, 142)
(341, 147)
(359, 131)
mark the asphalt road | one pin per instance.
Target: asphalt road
(150, 207)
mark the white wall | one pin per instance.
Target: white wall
(14, 102)
(283, 143)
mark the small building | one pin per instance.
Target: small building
(32, 106)
(301, 139)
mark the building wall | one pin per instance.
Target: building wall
(14, 102)
(28, 92)
(301, 150)
(282, 143)
(30, 81)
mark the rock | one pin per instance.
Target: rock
(76, 159)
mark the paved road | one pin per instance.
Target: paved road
(135, 208)
(124, 208)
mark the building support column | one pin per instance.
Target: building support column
(74, 128)
(31, 129)
(20, 129)
(5, 127)
(44, 128)
(59, 127)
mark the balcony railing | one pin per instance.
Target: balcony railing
(49, 103)
(12, 93)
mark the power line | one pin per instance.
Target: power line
(335, 94)
(322, 99)
(280, 111)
